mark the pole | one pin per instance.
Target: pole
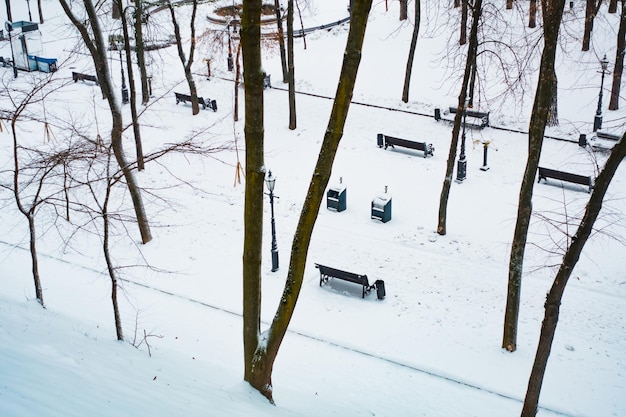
(274, 244)
(461, 170)
(124, 89)
(597, 121)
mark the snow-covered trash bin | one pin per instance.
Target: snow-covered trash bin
(381, 207)
(336, 198)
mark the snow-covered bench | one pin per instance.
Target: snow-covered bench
(386, 141)
(326, 272)
(212, 104)
(545, 173)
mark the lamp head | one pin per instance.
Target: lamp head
(270, 181)
(604, 63)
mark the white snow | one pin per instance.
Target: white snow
(430, 348)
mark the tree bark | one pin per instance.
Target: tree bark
(618, 69)
(97, 50)
(409, 62)
(532, 14)
(404, 9)
(613, 6)
(553, 113)
(591, 10)
(290, 64)
(469, 63)
(140, 52)
(281, 41)
(554, 297)
(132, 95)
(261, 362)
(195, 108)
(552, 15)
(40, 10)
(253, 204)
(464, 13)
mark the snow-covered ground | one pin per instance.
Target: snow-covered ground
(430, 348)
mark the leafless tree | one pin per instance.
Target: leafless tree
(618, 68)
(409, 63)
(88, 25)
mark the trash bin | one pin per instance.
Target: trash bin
(336, 198)
(46, 64)
(381, 208)
(380, 289)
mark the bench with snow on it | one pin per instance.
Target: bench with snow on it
(327, 272)
(482, 116)
(84, 77)
(386, 141)
(212, 104)
(545, 173)
(609, 136)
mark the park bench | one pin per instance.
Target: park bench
(212, 104)
(327, 272)
(84, 77)
(545, 173)
(483, 117)
(386, 141)
(609, 136)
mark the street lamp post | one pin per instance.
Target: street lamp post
(124, 89)
(461, 169)
(597, 121)
(270, 181)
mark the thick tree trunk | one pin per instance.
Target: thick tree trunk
(469, 63)
(34, 259)
(290, 64)
(552, 14)
(554, 297)
(140, 52)
(613, 6)
(409, 62)
(404, 9)
(281, 41)
(591, 10)
(553, 113)
(253, 204)
(265, 355)
(618, 69)
(532, 14)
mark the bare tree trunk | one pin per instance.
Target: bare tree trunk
(237, 78)
(40, 10)
(613, 6)
(281, 41)
(469, 63)
(618, 69)
(554, 297)
(195, 108)
(290, 63)
(8, 6)
(404, 9)
(140, 52)
(553, 113)
(131, 84)
(409, 62)
(509, 4)
(97, 50)
(464, 13)
(457, 3)
(532, 14)
(253, 204)
(260, 361)
(552, 15)
(591, 10)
